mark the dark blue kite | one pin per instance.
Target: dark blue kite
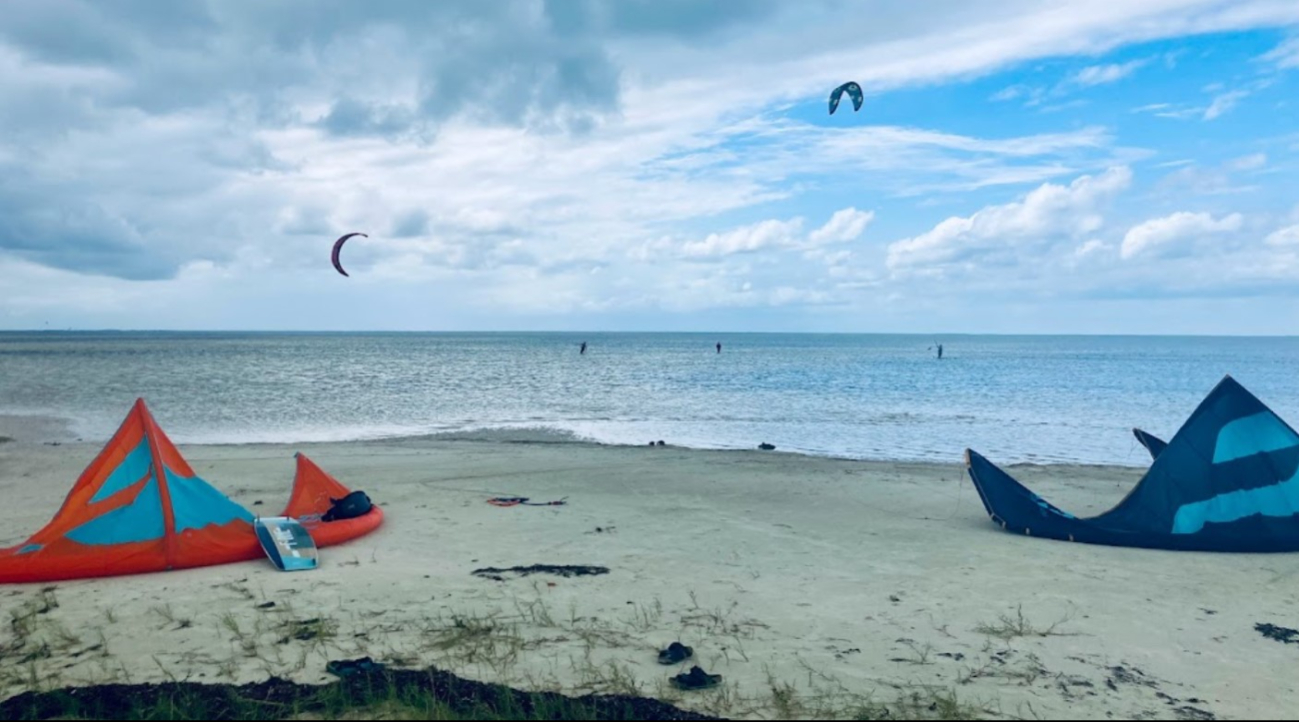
(1153, 444)
(1228, 481)
(853, 90)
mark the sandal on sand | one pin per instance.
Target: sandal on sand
(696, 680)
(676, 653)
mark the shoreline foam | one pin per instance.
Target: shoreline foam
(40, 429)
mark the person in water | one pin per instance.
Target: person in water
(719, 348)
(583, 351)
(940, 350)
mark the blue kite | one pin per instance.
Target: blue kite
(1228, 481)
(854, 92)
(1153, 444)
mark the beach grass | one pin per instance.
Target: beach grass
(432, 695)
(459, 642)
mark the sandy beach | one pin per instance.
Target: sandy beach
(811, 584)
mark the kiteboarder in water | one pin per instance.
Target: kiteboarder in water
(583, 351)
(940, 351)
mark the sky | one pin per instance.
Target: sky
(1024, 166)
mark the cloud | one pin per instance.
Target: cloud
(1219, 180)
(411, 224)
(504, 150)
(1181, 113)
(845, 225)
(1010, 92)
(1284, 237)
(747, 239)
(1157, 235)
(1285, 55)
(1254, 161)
(1044, 216)
(1102, 74)
(1091, 247)
(1224, 103)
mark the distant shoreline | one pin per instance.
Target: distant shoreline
(596, 332)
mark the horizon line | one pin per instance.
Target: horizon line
(930, 334)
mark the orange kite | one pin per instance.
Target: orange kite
(139, 508)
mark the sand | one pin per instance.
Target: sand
(811, 584)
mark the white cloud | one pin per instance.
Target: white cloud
(1223, 103)
(1288, 236)
(1254, 161)
(1009, 93)
(845, 225)
(510, 150)
(1285, 55)
(1213, 180)
(1158, 233)
(1102, 74)
(1044, 216)
(1181, 113)
(756, 237)
(1089, 248)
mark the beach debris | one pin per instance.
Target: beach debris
(351, 506)
(266, 605)
(1124, 675)
(305, 630)
(338, 246)
(696, 679)
(523, 501)
(766, 447)
(676, 653)
(350, 667)
(852, 89)
(1284, 635)
(498, 575)
(257, 503)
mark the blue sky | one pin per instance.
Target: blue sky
(1021, 167)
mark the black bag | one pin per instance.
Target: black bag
(349, 507)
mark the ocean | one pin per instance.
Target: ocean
(1057, 399)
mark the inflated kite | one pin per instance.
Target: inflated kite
(852, 89)
(338, 246)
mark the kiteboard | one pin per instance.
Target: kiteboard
(287, 543)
